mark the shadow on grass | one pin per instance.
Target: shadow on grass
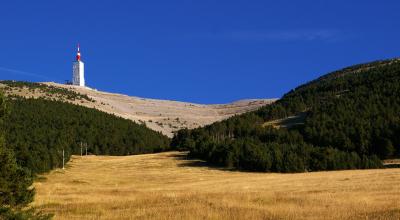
(391, 165)
(180, 155)
(193, 162)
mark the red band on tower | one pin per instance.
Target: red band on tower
(78, 54)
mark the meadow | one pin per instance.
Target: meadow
(168, 186)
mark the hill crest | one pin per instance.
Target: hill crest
(165, 116)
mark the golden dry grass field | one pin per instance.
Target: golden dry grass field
(166, 186)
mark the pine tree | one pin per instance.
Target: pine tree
(15, 181)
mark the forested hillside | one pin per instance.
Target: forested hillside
(15, 181)
(38, 130)
(166, 116)
(35, 131)
(344, 120)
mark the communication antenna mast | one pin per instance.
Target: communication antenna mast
(63, 159)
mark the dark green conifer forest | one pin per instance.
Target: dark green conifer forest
(15, 181)
(34, 132)
(348, 119)
(38, 130)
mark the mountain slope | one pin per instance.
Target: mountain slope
(343, 120)
(39, 131)
(160, 115)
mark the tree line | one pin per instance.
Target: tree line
(38, 130)
(50, 91)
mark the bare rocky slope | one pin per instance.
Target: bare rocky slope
(161, 115)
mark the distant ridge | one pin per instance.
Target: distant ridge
(160, 115)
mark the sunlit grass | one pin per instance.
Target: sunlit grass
(166, 186)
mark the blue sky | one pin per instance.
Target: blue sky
(206, 51)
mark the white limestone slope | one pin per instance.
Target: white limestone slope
(162, 115)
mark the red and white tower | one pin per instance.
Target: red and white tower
(78, 68)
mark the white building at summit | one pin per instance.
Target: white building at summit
(78, 70)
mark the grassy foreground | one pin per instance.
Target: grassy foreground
(166, 186)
